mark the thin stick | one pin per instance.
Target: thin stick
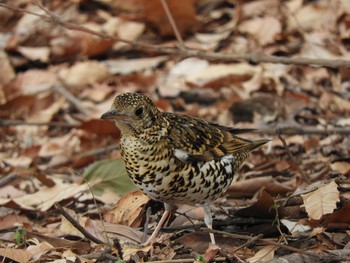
(173, 24)
(301, 172)
(7, 122)
(8, 178)
(77, 225)
(296, 130)
(71, 98)
(185, 260)
(248, 242)
(261, 241)
(99, 211)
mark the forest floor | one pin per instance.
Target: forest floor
(281, 67)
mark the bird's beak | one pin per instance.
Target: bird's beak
(110, 115)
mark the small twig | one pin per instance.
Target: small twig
(301, 172)
(71, 98)
(261, 241)
(8, 178)
(99, 210)
(145, 226)
(248, 242)
(7, 122)
(303, 131)
(185, 260)
(99, 150)
(104, 255)
(77, 225)
(173, 24)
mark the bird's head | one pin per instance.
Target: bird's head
(133, 113)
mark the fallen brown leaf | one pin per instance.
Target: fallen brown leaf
(321, 201)
(18, 255)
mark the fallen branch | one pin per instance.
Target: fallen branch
(71, 98)
(8, 178)
(186, 52)
(303, 131)
(77, 225)
(173, 24)
(7, 122)
(260, 241)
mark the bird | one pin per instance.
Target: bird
(175, 158)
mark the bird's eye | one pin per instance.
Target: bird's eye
(139, 111)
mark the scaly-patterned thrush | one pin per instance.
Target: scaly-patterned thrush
(174, 158)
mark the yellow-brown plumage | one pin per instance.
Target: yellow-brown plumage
(177, 159)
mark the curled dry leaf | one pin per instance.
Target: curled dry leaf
(44, 199)
(127, 66)
(30, 82)
(128, 208)
(262, 208)
(36, 251)
(295, 227)
(265, 254)
(308, 16)
(321, 201)
(129, 233)
(64, 145)
(126, 30)
(35, 53)
(174, 82)
(183, 12)
(241, 71)
(6, 69)
(84, 73)
(211, 252)
(20, 161)
(12, 220)
(265, 29)
(342, 167)
(17, 255)
(249, 187)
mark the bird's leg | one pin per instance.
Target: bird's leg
(155, 233)
(208, 220)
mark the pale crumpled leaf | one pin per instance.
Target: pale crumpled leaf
(36, 251)
(17, 255)
(265, 254)
(321, 201)
(295, 227)
(128, 209)
(218, 71)
(127, 66)
(35, 53)
(19, 161)
(84, 73)
(264, 29)
(125, 29)
(46, 197)
(175, 81)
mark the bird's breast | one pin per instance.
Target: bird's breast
(160, 174)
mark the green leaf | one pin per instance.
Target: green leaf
(109, 174)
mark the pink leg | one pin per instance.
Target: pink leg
(155, 233)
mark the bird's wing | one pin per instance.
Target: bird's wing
(197, 140)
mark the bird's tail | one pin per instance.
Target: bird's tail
(257, 143)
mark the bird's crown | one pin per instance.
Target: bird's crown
(126, 100)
